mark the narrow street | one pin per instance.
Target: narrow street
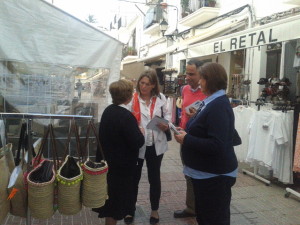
(253, 202)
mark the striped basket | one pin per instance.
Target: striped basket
(94, 185)
(69, 202)
(40, 195)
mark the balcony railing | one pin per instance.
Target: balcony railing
(129, 51)
(190, 6)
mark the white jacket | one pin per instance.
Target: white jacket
(160, 140)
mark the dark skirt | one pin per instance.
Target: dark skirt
(120, 192)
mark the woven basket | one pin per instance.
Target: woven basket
(18, 204)
(4, 179)
(7, 152)
(94, 184)
(69, 202)
(41, 195)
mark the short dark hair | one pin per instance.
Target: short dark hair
(152, 76)
(215, 76)
(195, 62)
(121, 91)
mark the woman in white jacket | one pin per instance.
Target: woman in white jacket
(146, 103)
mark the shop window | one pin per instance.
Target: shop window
(236, 87)
(273, 60)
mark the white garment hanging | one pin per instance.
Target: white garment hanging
(243, 116)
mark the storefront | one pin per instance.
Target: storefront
(263, 65)
(264, 51)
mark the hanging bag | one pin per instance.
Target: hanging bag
(94, 184)
(41, 182)
(9, 157)
(4, 179)
(168, 131)
(69, 178)
(16, 187)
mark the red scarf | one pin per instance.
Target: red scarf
(136, 110)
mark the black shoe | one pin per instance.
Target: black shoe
(128, 219)
(154, 220)
(183, 214)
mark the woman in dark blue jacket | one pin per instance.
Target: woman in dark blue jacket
(207, 149)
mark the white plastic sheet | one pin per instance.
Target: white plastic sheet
(44, 52)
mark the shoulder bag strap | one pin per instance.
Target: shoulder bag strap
(75, 129)
(91, 126)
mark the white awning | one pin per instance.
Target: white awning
(162, 54)
(282, 30)
(36, 31)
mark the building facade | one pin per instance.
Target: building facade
(251, 39)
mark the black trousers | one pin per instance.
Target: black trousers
(212, 200)
(153, 163)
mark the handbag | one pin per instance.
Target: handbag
(16, 187)
(94, 184)
(69, 177)
(167, 132)
(41, 181)
(236, 139)
(4, 180)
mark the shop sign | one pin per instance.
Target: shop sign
(257, 38)
(278, 31)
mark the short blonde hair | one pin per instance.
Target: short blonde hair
(121, 91)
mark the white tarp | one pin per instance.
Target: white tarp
(51, 62)
(35, 31)
(282, 30)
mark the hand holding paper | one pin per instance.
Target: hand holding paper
(153, 124)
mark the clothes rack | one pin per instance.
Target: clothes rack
(30, 117)
(254, 174)
(289, 191)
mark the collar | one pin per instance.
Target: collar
(214, 96)
(194, 90)
(143, 101)
(124, 106)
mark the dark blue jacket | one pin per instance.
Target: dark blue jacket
(208, 146)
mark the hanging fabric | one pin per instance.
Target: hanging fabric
(296, 164)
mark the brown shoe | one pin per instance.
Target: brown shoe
(183, 214)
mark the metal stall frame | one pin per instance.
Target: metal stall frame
(30, 117)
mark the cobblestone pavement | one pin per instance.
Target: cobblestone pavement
(252, 203)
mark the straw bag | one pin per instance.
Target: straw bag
(69, 178)
(4, 179)
(9, 157)
(41, 182)
(94, 184)
(16, 187)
